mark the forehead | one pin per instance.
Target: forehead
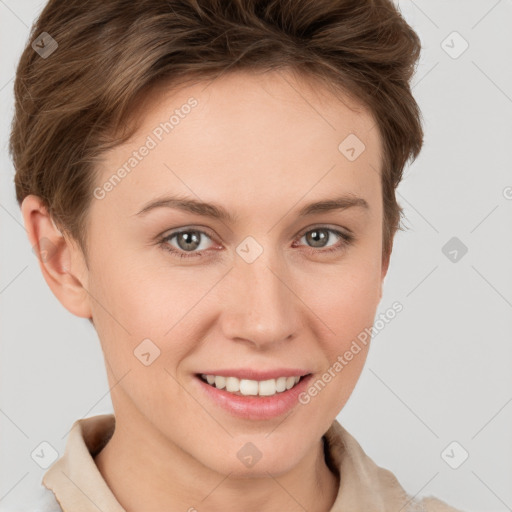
(244, 133)
(252, 101)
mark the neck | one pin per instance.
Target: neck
(159, 475)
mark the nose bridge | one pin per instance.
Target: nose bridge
(261, 306)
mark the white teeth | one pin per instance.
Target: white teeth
(281, 384)
(220, 382)
(232, 384)
(251, 387)
(248, 387)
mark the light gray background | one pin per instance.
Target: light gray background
(439, 372)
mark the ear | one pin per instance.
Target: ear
(385, 265)
(61, 260)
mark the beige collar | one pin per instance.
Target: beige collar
(79, 486)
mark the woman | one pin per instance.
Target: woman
(212, 184)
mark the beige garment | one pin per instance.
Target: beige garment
(364, 487)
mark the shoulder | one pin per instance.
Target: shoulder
(430, 504)
(389, 484)
(363, 482)
(42, 500)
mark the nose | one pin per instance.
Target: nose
(260, 307)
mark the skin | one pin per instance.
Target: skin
(260, 146)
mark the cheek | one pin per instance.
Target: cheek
(138, 301)
(347, 305)
(139, 293)
(346, 301)
(148, 298)
(346, 297)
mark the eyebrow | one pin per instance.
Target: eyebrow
(217, 211)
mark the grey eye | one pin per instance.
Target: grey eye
(318, 237)
(188, 240)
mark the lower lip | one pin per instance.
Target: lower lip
(255, 407)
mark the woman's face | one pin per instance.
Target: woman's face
(265, 289)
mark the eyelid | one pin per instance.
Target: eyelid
(346, 239)
(349, 232)
(209, 232)
(168, 235)
(201, 229)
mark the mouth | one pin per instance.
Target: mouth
(243, 399)
(252, 388)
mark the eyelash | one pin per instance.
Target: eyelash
(346, 240)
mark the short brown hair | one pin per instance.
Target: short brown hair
(74, 104)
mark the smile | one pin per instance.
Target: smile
(247, 387)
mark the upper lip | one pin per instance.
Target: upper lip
(250, 374)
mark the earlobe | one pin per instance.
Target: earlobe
(60, 260)
(385, 265)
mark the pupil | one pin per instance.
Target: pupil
(190, 237)
(317, 235)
